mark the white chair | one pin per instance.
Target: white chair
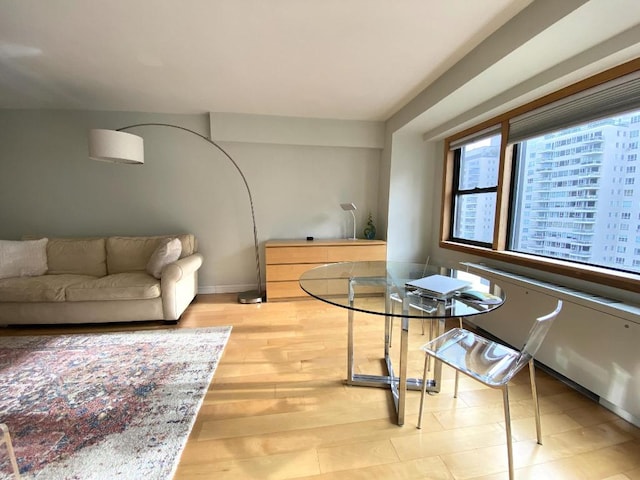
(6, 439)
(491, 363)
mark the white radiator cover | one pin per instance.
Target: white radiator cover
(594, 342)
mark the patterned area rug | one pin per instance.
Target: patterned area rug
(104, 405)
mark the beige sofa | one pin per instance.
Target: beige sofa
(97, 280)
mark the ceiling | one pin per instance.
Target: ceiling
(340, 59)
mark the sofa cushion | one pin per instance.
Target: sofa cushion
(167, 252)
(44, 288)
(79, 256)
(119, 286)
(131, 254)
(20, 258)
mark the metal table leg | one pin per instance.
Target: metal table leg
(397, 384)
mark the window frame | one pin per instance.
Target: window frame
(458, 194)
(498, 249)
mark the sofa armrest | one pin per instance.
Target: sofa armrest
(179, 285)
(175, 271)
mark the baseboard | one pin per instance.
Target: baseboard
(620, 412)
(204, 289)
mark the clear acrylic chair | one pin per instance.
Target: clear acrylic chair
(6, 439)
(491, 363)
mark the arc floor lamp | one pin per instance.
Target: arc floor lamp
(118, 146)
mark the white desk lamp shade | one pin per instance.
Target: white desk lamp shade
(117, 147)
(350, 207)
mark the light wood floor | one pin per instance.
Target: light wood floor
(278, 408)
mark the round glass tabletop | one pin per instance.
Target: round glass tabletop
(381, 288)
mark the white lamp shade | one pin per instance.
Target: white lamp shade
(117, 147)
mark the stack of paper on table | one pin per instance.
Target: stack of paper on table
(438, 286)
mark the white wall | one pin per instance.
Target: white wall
(244, 128)
(411, 219)
(49, 186)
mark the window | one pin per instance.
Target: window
(475, 188)
(578, 194)
(541, 196)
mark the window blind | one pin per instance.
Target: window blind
(479, 135)
(615, 97)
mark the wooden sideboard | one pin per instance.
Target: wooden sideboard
(286, 260)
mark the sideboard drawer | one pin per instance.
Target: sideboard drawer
(284, 290)
(356, 253)
(287, 271)
(311, 254)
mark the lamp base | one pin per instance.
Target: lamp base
(253, 296)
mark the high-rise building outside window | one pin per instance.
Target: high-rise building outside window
(566, 189)
(476, 185)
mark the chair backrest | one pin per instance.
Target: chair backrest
(537, 334)
(426, 265)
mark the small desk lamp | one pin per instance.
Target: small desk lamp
(117, 146)
(350, 207)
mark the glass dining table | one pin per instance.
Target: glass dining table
(380, 288)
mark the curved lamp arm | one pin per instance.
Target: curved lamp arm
(101, 147)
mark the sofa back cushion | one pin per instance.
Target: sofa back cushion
(131, 254)
(78, 256)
